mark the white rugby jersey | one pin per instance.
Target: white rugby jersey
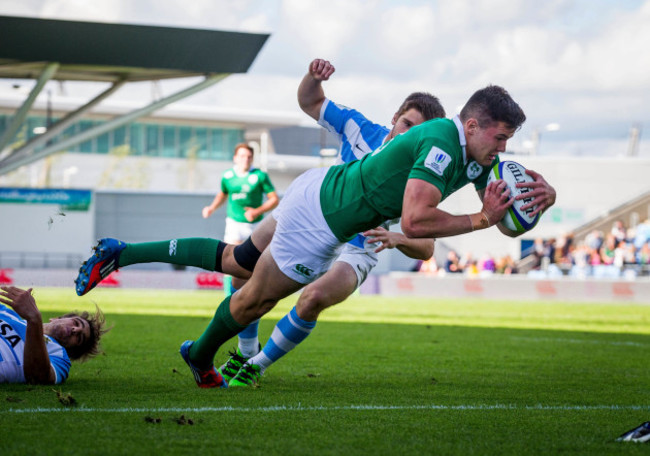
(12, 347)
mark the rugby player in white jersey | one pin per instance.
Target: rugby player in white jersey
(35, 352)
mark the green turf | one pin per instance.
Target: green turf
(378, 376)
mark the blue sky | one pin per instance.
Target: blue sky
(581, 64)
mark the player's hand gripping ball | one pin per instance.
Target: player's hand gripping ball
(513, 173)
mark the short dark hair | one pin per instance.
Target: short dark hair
(493, 104)
(428, 105)
(90, 346)
(242, 145)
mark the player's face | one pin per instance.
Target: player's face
(68, 331)
(484, 144)
(243, 159)
(403, 123)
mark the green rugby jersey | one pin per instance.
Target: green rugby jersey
(361, 195)
(245, 191)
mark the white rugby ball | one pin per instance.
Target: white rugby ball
(513, 173)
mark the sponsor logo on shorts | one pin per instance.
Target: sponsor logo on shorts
(303, 270)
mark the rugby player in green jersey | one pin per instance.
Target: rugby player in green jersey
(408, 177)
(244, 188)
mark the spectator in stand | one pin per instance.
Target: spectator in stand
(487, 264)
(643, 254)
(549, 251)
(594, 240)
(429, 266)
(452, 265)
(607, 250)
(619, 253)
(642, 234)
(505, 265)
(629, 255)
(538, 252)
(619, 231)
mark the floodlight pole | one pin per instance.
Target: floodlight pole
(20, 115)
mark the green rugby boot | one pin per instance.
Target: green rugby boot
(248, 375)
(230, 368)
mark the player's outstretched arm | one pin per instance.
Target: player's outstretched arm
(419, 249)
(311, 95)
(421, 217)
(36, 360)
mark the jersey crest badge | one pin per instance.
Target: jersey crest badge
(437, 160)
(474, 170)
(252, 179)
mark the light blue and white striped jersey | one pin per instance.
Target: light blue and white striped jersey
(358, 137)
(12, 347)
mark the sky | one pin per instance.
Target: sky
(582, 66)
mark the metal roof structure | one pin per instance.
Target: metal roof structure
(46, 49)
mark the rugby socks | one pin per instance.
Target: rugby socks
(199, 252)
(222, 327)
(249, 343)
(289, 332)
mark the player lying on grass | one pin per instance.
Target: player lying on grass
(35, 352)
(409, 175)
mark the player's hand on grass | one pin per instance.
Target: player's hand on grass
(22, 302)
(543, 194)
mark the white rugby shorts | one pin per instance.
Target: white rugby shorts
(361, 260)
(237, 232)
(303, 245)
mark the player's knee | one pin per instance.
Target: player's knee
(312, 301)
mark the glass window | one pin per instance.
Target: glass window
(200, 138)
(185, 142)
(136, 138)
(103, 144)
(86, 146)
(153, 140)
(119, 136)
(169, 146)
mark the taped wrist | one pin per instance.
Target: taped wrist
(246, 254)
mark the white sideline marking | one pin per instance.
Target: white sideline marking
(296, 408)
(582, 341)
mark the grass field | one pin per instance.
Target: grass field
(377, 376)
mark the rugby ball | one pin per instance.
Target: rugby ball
(513, 173)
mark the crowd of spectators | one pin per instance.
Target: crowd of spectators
(468, 265)
(620, 252)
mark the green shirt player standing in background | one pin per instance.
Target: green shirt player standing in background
(244, 188)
